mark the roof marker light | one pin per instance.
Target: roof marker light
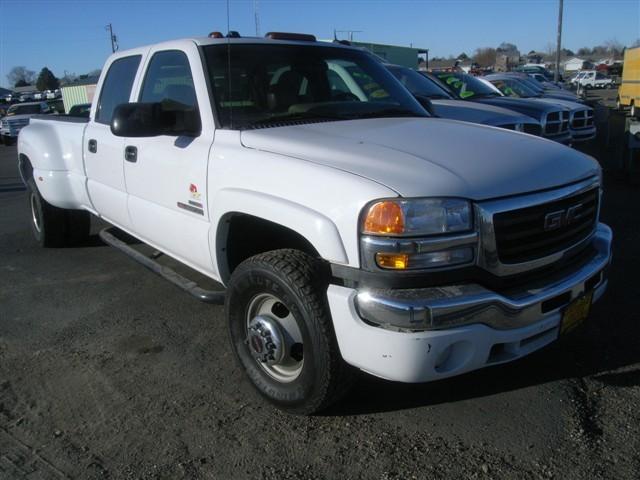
(301, 37)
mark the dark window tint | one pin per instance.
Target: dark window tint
(418, 84)
(262, 85)
(116, 88)
(169, 80)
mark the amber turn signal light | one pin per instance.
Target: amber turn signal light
(394, 261)
(384, 217)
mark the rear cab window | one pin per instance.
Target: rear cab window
(116, 88)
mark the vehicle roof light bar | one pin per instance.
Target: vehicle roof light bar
(301, 37)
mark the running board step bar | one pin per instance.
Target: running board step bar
(189, 286)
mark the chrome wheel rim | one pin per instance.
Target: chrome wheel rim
(271, 326)
(35, 212)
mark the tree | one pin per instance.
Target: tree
(463, 56)
(508, 48)
(485, 57)
(584, 52)
(20, 75)
(94, 73)
(47, 80)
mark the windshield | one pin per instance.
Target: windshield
(418, 84)
(514, 88)
(23, 109)
(466, 86)
(261, 85)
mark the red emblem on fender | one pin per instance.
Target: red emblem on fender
(193, 188)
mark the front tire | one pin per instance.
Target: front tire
(282, 333)
(53, 226)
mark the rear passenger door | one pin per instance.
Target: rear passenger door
(167, 179)
(102, 150)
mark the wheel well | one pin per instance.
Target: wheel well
(25, 167)
(241, 236)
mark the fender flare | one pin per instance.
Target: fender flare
(316, 228)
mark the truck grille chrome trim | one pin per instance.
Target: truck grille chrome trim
(532, 231)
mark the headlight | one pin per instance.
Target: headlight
(414, 217)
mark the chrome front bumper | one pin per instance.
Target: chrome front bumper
(453, 306)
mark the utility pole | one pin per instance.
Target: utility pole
(113, 38)
(556, 74)
(256, 15)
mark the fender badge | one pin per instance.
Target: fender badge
(193, 189)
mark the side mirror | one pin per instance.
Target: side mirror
(426, 104)
(154, 119)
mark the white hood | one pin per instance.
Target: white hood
(430, 157)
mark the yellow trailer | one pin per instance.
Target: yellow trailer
(629, 91)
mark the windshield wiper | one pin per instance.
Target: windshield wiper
(387, 112)
(293, 117)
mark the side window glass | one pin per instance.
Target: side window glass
(168, 80)
(116, 88)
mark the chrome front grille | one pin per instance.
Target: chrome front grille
(556, 123)
(530, 233)
(582, 119)
(527, 232)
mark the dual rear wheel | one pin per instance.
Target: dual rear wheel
(53, 226)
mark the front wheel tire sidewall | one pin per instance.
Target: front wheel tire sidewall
(244, 288)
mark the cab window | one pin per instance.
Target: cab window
(116, 87)
(169, 81)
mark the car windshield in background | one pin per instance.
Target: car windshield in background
(513, 88)
(466, 86)
(261, 85)
(418, 84)
(23, 110)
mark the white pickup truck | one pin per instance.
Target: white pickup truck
(349, 230)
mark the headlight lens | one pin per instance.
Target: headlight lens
(423, 216)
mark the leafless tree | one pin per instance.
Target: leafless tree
(21, 75)
(485, 57)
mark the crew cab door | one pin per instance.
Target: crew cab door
(102, 150)
(166, 175)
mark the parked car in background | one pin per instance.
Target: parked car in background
(537, 69)
(594, 79)
(351, 233)
(26, 97)
(18, 117)
(543, 81)
(629, 90)
(39, 96)
(53, 94)
(554, 119)
(581, 117)
(80, 110)
(444, 105)
(534, 87)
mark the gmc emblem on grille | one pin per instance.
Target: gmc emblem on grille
(561, 218)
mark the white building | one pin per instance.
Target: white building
(573, 64)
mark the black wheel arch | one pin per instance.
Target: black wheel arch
(240, 236)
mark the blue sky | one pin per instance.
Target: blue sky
(70, 35)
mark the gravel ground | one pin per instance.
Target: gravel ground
(107, 371)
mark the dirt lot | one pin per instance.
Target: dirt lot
(107, 371)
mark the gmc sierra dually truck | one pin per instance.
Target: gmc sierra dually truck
(350, 232)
